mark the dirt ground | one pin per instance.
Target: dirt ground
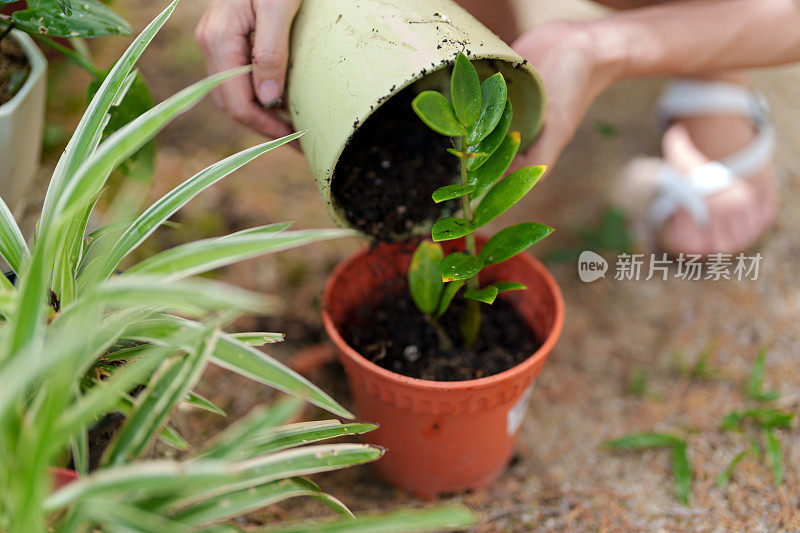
(561, 479)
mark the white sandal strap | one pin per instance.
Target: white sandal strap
(686, 98)
(677, 190)
(691, 98)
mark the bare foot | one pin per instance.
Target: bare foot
(738, 215)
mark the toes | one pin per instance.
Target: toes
(683, 234)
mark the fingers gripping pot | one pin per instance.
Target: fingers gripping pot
(350, 58)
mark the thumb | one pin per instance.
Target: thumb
(271, 47)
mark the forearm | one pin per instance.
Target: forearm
(693, 37)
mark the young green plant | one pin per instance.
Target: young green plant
(478, 118)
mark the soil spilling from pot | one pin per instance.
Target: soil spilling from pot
(389, 169)
(394, 335)
(14, 69)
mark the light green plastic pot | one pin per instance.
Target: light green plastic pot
(349, 57)
(21, 126)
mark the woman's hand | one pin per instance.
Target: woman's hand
(224, 34)
(576, 67)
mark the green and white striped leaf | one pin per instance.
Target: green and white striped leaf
(105, 395)
(168, 435)
(201, 256)
(440, 518)
(302, 433)
(12, 245)
(166, 206)
(232, 443)
(119, 517)
(245, 360)
(267, 229)
(91, 125)
(28, 319)
(154, 478)
(301, 461)
(196, 400)
(230, 505)
(259, 338)
(189, 296)
(91, 176)
(167, 387)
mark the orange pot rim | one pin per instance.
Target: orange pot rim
(430, 385)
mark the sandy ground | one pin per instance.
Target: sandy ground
(562, 479)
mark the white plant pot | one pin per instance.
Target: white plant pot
(349, 57)
(21, 127)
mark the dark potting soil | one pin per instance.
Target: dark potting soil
(395, 335)
(386, 174)
(14, 69)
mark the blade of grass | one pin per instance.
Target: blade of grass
(775, 455)
(725, 476)
(756, 383)
(637, 441)
(682, 472)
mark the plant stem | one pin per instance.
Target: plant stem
(466, 207)
(445, 342)
(471, 320)
(73, 55)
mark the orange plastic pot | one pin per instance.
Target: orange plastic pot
(441, 437)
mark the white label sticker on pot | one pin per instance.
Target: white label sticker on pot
(517, 413)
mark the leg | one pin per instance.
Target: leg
(739, 215)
